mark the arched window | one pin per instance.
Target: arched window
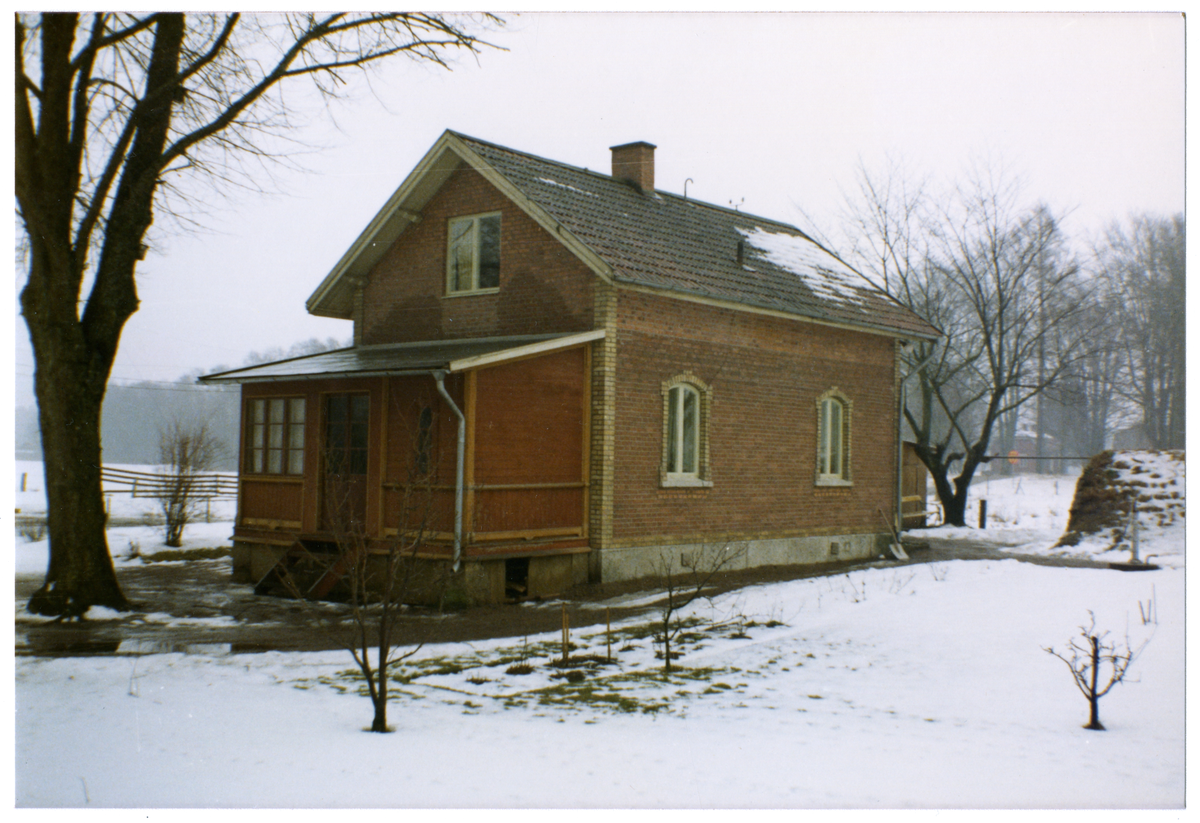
(683, 438)
(685, 432)
(833, 438)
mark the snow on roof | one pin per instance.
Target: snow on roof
(565, 186)
(820, 270)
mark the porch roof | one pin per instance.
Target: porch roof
(423, 357)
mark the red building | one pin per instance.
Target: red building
(586, 372)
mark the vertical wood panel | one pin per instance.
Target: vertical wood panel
(471, 392)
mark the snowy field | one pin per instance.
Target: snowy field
(1028, 514)
(214, 526)
(922, 686)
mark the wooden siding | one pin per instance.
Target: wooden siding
(913, 489)
(272, 503)
(527, 450)
(525, 471)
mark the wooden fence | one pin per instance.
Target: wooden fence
(207, 486)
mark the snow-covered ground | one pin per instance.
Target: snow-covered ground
(1028, 514)
(904, 687)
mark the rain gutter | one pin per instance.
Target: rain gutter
(440, 376)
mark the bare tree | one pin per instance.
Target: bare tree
(377, 580)
(1085, 401)
(1087, 658)
(114, 112)
(684, 581)
(185, 451)
(995, 278)
(1145, 267)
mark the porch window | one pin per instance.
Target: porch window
(275, 436)
(833, 439)
(473, 254)
(685, 432)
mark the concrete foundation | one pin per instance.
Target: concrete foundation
(633, 562)
(482, 581)
(478, 582)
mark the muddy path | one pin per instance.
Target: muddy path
(194, 606)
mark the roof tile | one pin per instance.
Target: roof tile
(664, 241)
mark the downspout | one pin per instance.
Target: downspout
(440, 376)
(903, 402)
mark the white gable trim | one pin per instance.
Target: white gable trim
(529, 350)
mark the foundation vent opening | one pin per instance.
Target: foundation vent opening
(516, 578)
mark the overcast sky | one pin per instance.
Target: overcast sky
(770, 112)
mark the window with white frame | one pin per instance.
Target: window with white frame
(473, 254)
(833, 438)
(275, 435)
(685, 432)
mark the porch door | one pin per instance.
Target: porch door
(344, 507)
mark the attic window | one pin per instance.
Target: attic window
(473, 254)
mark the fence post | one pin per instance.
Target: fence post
(1133, 523)
(566, 635)
(983, 514)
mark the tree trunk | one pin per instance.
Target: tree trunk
(81, 571)
(379, 724)
(1093, 698)
(74, 342)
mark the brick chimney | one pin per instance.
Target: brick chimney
(634, 162)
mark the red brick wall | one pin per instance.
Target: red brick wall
(765, 375)
(544, 288)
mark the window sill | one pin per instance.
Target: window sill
(685, 483)
(472, 292)
(836, 482)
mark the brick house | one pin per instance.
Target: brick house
(589, 372)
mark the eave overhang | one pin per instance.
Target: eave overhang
(407, 359)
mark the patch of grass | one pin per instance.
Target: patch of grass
(170, 555)
(449, 668)
(598, 697)
(589, 660)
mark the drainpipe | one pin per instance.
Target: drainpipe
(903, 401)
(440, 376)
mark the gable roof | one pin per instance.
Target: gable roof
(649, 239)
